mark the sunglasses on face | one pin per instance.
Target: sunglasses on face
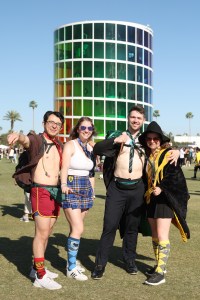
(89, 128)
(155, 139)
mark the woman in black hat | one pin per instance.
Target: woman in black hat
(166, 197)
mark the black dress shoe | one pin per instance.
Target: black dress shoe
(98, 272)
(131, 268)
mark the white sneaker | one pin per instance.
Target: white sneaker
(24, 219)
(79, 267)
(46, 283)
(76, 274)
(49, 274)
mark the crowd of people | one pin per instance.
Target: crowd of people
(139, 173)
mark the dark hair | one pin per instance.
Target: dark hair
(55, 113)
(138, 108)
(74, 133)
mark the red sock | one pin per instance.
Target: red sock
(39, 266)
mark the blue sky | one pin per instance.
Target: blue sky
(26, 56)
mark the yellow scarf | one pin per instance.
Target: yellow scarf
(158, 172)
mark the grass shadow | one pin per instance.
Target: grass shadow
(15, 210)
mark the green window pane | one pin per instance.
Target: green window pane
(77, 50)
(58, 52)
(131, 53)
(77, 107)
(68, 32)
(77, 72)
(77, 32)
(121, 90)
(98, 108)
(110, 109)
(110, 70)
(131, 72)
(110, 125)
(99, 126)
(87, 108)
(99, 31)
(121, 52)
(121, 32)
(121, 125)
(131, 91)
(61, 70)
(98, 69)
(131, 34)
(68, 107)
(68, 88)
(61, 34)
(139, 55)
(98, 89)
(77, 88)
(121, 71)
(56, 36)
(98, 50)
(68, 69)
(56, 90)
(87, 50)
(110, 31)
(110, 89)
(87, 88)
(121, 110)
(68, 51)
(146, 94)
(140, 93)
(110, 50)
(139, 74)
(87, 31)
(130, 105)
(56, 71)
(87, 69)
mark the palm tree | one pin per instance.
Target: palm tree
(33, 104)
(156, 114)
(189, 116)
(12, 116)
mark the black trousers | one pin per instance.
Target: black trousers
(126, 203)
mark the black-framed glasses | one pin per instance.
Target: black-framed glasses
(52, 123)
(155, 139)
(89, 128)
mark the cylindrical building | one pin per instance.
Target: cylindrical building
(102, 68)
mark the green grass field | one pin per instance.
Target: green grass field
(16, 254)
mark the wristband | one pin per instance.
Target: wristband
(63, 184)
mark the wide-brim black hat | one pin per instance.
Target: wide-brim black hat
(155, 128)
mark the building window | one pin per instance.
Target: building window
(110, 51)
(87, 31)
(98, 50)
(131, 34)
(87, 69)
(110, 109)
(87, 108)
(99, 108)
(77, 32)
(121, 32)
(110, 31)
(121, 110)
(99, 31)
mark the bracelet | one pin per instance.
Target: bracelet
(63, 184)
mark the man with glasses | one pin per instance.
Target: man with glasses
(45, 153)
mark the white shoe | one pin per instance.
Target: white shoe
(24, 219)
(76, 274)
(46, 283)
(49, 274)
(79, 267)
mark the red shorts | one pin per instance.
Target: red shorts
(43, 204)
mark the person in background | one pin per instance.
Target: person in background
(76, 185)
(182, 156)
(166, 197)
(45, 169)
(27, 208)
(197, 163)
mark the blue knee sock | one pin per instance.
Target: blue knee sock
(72, 249)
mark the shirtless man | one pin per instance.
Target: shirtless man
(45, 178)
(125, 190)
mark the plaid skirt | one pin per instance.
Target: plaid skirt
(82, 196)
